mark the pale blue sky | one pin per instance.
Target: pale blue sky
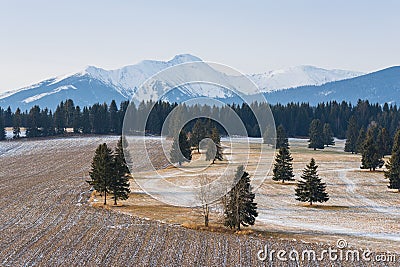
(41, 39)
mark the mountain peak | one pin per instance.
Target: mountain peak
(183, 58)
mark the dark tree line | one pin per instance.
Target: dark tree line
(295, 117)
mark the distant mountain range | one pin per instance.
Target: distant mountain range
(298, 84)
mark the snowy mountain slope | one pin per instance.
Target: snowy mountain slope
(95, 84)
(299, 76)
(377, 87)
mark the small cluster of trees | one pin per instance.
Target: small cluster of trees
(184, 143)
(321, 135)
(310, 188)
(393, 165)
(109, 173)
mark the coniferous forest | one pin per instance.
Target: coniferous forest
(344, 119)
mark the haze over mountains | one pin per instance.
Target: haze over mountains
(297, 84)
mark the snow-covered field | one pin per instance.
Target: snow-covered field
(45, 219)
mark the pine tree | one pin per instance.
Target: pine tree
(180, 151)
(393, 165)
(360, 140)
(114, 119)
(371, 157)
(120, 181)
(283, 167)
(241, 208)
(281, 138)
(102, 171)
(269, 134)
(316, 135)
(351, 136)
(77, 120)
(311, 189)
(328, 135)
(17, 124)
(214, 149)
(198, 134)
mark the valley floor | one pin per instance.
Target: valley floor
(45, 219)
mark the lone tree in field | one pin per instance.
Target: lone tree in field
(316, 135)
(102, 171)
(181, 151)
(268, 136)
(205, 195)
(199, 132)
(214, 149)
(310, 188)
(371, 156)
(283, 167)
(120, 181)
(393, 165)
(328, 135)
(351, 136)
(241, 208)
(281, 137)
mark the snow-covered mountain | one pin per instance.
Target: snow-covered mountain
(299, 76)
(95, 84)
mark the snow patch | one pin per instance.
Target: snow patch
(54, 91)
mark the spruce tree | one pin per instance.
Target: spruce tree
(328, 135)
(351, 136)
(102, 171)
(268, 136)
(283, 167)
(371, 156)
(311, 188)
(281, 138)
(384, 142)
(2, 128)
(241, 208)
(198, 133)
(17, 124)
(316, 135)
(360, 140)
(214, 149)
(120, 181)
(180, 151)
(393, 165)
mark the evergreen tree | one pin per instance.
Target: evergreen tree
(102, 171)
(316, 135)
(393, 165)
(283, 167)
(2, 128)
(214, 149)
(180, 151)
(17, 124)
(281, 138)
(371, 157)
(34, 122)
(384, 142)
(77, 120)
(268, 136)
(119, 186)
(351, 136)
(360, 140)
(86, 126)
(328, 135)
(310, 188)
(241, 208)
(198, 133)
(114, 119)
(59, 119)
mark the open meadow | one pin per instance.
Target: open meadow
(46, 218)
